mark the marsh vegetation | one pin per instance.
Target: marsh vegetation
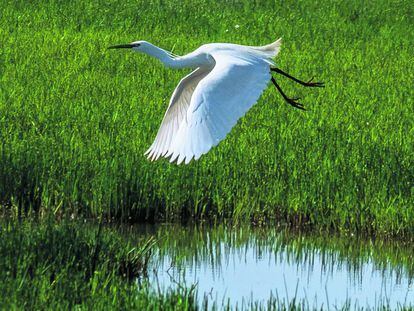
(75, 121)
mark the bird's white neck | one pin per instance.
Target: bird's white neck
(191, 60)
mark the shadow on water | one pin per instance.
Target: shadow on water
(265, 267)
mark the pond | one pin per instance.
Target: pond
(243, 267)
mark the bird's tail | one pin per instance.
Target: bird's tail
(270, 50)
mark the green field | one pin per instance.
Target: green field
(75, 118)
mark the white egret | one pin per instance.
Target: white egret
(228, 79)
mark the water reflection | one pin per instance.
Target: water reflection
(244, 265)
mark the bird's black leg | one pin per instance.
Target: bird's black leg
(309, 83)
(291, 101)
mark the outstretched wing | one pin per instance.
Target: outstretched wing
(223, 96)
(177, 109)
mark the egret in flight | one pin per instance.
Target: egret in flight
(227, 80)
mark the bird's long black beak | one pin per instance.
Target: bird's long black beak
(121, 46)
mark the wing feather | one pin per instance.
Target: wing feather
(177, 109)
(223, 96)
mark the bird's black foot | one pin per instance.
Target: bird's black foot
(313, 84)
(291, 101)
(294, 102)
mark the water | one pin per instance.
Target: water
(244, 265)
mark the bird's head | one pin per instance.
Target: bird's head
(138, 46)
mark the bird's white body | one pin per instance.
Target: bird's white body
(227, 81)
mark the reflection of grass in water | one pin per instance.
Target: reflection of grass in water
(54, 266)
(202, 243)
(76, 119)
(75, 265)
(197, 245)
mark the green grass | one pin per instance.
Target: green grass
(75, 119)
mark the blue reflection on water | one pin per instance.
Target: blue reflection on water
(250, 273)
